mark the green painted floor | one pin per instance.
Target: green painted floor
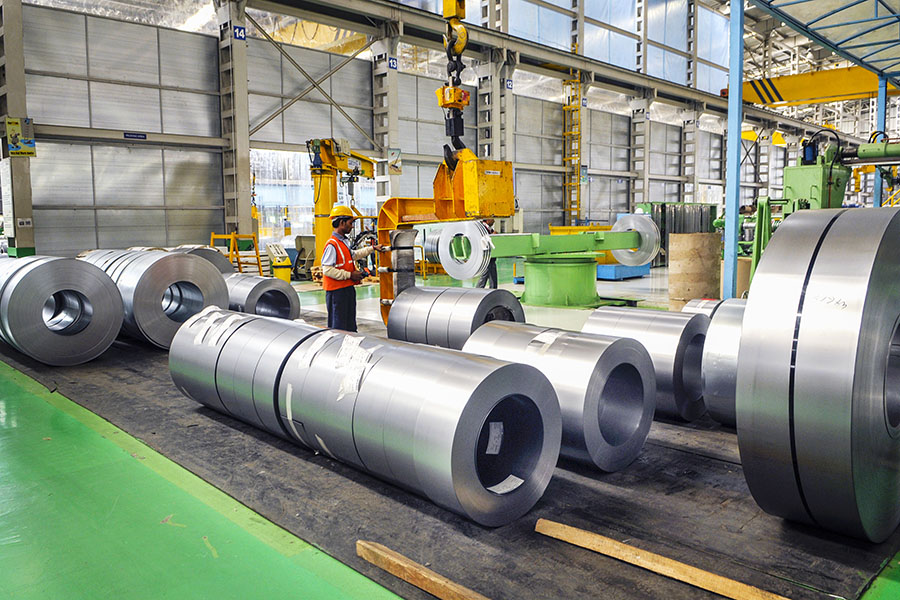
(87, 511)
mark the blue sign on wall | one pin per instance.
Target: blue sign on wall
(240, 33)
(392, 63)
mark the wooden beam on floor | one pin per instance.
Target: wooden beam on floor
(654, 562)
(412, 572)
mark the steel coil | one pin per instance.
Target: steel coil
(650, 240)
(209, 253)
(475, 435)
(675, 343)
(475, 236)
(818, 406)
(446, 317)
(431, 244)
(606, 386)
(59, 311)
(264, 296)
(720, 360)
(702, 306)
(160, 290)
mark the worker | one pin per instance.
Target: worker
(491, 272)
(339, 272)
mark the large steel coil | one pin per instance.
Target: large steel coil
(703, 306)
(675, 343)
(475, 435)
(431, 243)
(818, 386)
(209, 253)
(264, 296)
(160, 290)
(650, 240)
(720, 360)
(59, 311)
(475, 257)
(446, 317)
(606, 386)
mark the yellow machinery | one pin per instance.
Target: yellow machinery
(331, 158)
(279, 261)
(465, 187)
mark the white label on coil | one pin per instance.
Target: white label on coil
(324, 447)
(507, 485)
(349, 351)
(495, 437)
(289, 409)
(306, 357)
(542, 341)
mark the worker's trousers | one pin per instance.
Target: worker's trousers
(490, 273)
(341, 304)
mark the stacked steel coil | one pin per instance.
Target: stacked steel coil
(818, 382)
(475, 255)
(446, 317)
(209, 253)
(675, 343)
(606, 386)
(650, 240)
(430, 244)
(160, 290)
(58, 311)
(720, 359)
(703, 306)
(478, 436)
(264, 296)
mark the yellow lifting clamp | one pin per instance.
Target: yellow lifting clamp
(452, 97)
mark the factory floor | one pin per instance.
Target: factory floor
(113, 484)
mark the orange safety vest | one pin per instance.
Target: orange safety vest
(344, 261)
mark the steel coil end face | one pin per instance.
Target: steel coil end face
(168, 289)
(650, 240)
(512, 422)
(219, 260)
(689, 369)
(263, 296)
(474, 235)
(720, 360)
(59, 311)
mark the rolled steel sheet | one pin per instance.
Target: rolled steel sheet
(720, 360)
(446, 317)
(59, 311)
(264, 296)
(160, 290)
(703, 306)
(650, 240)
(475, 435)
(817, 400)
(675, 343)
(210, 254)
(431, 243)
(479, 249)
(606, 386)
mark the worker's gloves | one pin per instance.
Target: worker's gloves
(486, 243)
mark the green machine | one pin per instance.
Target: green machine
(818, 180)
(561, 270)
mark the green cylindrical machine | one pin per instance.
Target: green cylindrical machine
(561, 280)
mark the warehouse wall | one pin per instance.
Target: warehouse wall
(90, 72)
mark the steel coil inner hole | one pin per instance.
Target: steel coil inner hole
(621, 405)
(690, 371)
(273, 304)
(499, 313)
(460, 248)
(182, 300)
(509, 445)
(892, 382)
(67, 312)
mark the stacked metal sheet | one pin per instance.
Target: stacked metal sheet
(606, 386)
(264, 296)
(58, 311)
(160, 290)
(446, 317)
(818, 382)
(477, 436)
(675, 343)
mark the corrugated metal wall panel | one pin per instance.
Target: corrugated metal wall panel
(431, 139)
(263, 67)
(126, 176)
(193, 178)
(353, 83)
(406, 92)
(192, 226)
(528, 149)
(64, 232)
(190, 114)
(122, 51)
(260, 108)
(343, 129)
(307, 120)
(315, 63)
(529, 114)
(551, 151)
(116, 106)
(54, 41)
(58, 101)
(198, 72)
(409, 182)
(62, 175)
(428, 109)
(408, 137)
(123, 228)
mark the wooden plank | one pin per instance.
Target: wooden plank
(414, 573)
(654, 562)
